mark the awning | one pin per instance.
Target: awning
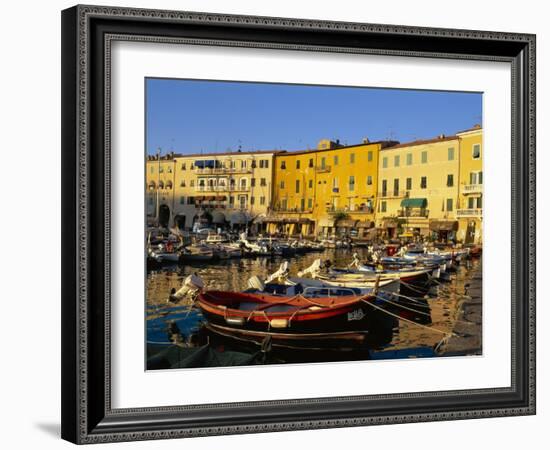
(443, 225)
(218, 217)
(388, 223)
(261, 218)
(372, 232)
(414, 203)
(272, 219)
(349, 223)
(326, 222)
(238, 218)
(364, 224)
(407, 234)
(221, 198)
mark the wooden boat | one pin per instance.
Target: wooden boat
(197, 253)
(294, 320)
(161, 254)
(408, 276)
(312, 288)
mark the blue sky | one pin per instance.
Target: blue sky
(193, 116)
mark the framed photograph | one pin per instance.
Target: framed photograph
(280, 224)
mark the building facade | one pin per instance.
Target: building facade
(209, 189)
(430, 188)
(326, 191)
(470, 210)
(418, 189)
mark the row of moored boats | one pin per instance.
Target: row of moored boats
(324, 305)
(171, 249)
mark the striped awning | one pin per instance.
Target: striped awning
(414, 203)
(443, 225)
(349, 223)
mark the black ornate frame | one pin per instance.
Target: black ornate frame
(87, 32)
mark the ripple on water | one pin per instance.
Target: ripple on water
(233, 275)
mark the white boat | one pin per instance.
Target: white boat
(198, 253)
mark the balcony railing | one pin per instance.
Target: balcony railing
(292, 210)
(358, 210)
(413, 212)
(395, 194)
(222, 170)
(235, 188)
(470, 212)
(472, 188)
(323, 169)
(209, 206)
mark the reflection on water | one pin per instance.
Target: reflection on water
(197, 347)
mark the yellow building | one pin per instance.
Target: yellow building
(330, 190)
(209, 189)
(160, 183)
(418, 188)
(470, 210)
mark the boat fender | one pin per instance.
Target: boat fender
(278, 323)
(234, 320)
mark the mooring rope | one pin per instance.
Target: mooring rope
(403, 306)
(411, 299)
(446, 333)
(410, 286)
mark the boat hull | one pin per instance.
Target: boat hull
(292, 318)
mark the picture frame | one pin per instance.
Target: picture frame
(87, 414)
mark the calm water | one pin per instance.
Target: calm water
(164, 318)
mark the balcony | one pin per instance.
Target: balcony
(222, 170)
(413, 212)
(359, 210)
(395, 194)
(234, 188)
(291, 210)
(471, 212)
(323, 169)
(472, 188)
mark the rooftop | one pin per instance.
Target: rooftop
(171, 156)
(441, 138)
(343, 147)
(476, 127)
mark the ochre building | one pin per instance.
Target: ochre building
(329, 190)
(209, 189)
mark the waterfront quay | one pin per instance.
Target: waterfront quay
(467, 330)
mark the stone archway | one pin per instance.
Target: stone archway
(164, 215)
(179, 221)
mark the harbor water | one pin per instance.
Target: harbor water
(169, 323)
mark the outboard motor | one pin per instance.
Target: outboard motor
(313, 269)
(191, 286)
(255, 283)
(355, 262)
(282, 272)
